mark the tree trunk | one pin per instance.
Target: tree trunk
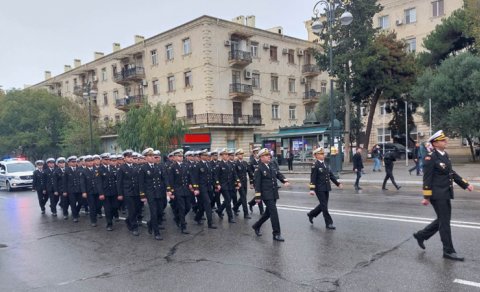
(472, 151)
(371, 113)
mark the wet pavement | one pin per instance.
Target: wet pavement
(371, 250)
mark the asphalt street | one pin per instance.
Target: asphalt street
(371, 250)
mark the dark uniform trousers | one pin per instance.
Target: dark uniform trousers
(110, 205)
(438, 178)
(74, 192)
(39, 185)
(49, 177)
(389, 160)
(133, 209)
(204, 205)
(253, 164)
(242, 201)
(182, 202)
(266, 188)
(91, 184)
(320, 178)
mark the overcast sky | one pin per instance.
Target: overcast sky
(40, 35)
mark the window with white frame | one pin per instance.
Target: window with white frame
(323, 87)
(186, 46)
(411, 45)
(384, 135)
(292, 112)
(189, 109)
(188, 79)
(256, 80)
(154, 56)
(104, 74)
(155, 87)
(291, 56)
(382, 108)
(169, 50)
(291, 85)
(115, 95)
(257, 110)
(438, 8)
(383, 22)
(410, 15)
(254, 49)
(105, 98)
(274, 83)
(275, 111)
(171, 83)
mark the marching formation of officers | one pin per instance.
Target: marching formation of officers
(194, 180)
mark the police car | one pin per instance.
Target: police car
(16, 173)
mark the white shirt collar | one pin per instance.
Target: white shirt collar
(441, 152)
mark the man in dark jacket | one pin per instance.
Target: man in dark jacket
(229, 183)
(108, 174)
(91, 186)
(127, 185)
(72, 186)
(438, 178)
(389, 160)
(39, 186)
(320, 178)
(358, 167)
(253, 164)
(242, 171)
(49, 174)
(266, 189)
(59, 186)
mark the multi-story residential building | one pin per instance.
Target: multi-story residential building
(230, 81)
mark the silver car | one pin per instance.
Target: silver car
(16, 173)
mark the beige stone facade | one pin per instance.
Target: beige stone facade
(227, 79)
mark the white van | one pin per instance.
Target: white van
(16, 173)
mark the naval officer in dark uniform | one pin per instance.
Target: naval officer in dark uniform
(266, 189)
(320, 177)
(127, 186)
(438, 178)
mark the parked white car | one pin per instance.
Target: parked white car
(16, 173)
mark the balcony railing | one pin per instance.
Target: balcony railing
(130, 74)
(237, 57)
(241, 90)
(311, 96)
(310, 70)
(223, 120)
(129, 101)
(78, 90)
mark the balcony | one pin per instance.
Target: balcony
(126, 103)
(126, 76)
(241, 90)
(222, 120)
(78, 90)
(310, 70)
(239, 58)
(311, 96)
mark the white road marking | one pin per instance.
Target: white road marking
(465, 282)
(387, 217)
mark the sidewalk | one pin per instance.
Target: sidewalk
(301, 173)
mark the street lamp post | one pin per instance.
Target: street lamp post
(89, 92)
(330, 7)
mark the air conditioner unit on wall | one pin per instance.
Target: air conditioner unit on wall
(144, 82)
(399, 22)
(266, 46)
(285, 51)
(247, 74)
(300, 52)
(303, 80)
(227, 43)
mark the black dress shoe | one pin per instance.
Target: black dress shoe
(278, 237)
(220, 214)
(135, 233)
(93, 224)
(231, 221)
(310, 218)
(117, 219)
(331, 227)
(385, 189)
(43, 211)
(160, 227)
(199, 222)
(54, 214)
(100, 216)
(158, 237)
(359, 188)
(453, 256)
(75, 220)
(247, 217)
(65, 217)
(211, 226)
(251, 208)
(109, 228)
(399, 187)
(419, 241)
(184, 231)
(257, 231)
(261, 212)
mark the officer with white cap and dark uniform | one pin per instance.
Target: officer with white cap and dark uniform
(253, 164)
(242, 172)
(39, 186)
(49, 173)
(320, 177)
(91, 186)
(127, 185)
(266, 189)
(152, 181)
(216, 184)
(438, 178)
(108, 175)
(229, 182)
(59, 186)
(73, 189)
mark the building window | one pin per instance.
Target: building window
(169, 49)
(67, 86)
(117, 119)
(155, 87)
(171, 83)
(115, 94)
(381, 137)
(257, 110)
(231, 144)
(188, 79)
(105, 99)
(309, 108)
(256, 80)
(275, 111)
(383, 22)
(291, 85)
(410, 15)
(292, 112)
(186, 46)
(382, 108)
(254, 49)
(291, 56)
(438, 9)
(323, 87)
(104, 74)
(273, 53)
(154, 56)
(274, 82)
(189, 109)
(411, 45)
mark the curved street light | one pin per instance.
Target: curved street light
(89, 92)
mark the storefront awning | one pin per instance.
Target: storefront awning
(297, 132)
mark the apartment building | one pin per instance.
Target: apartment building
(230, 81)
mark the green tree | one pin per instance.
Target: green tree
(454, 89)
(149, 126)
(472, 9)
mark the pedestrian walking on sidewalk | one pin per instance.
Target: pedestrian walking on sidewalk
(416, 158)
(358, 167)
(438, 178)
(290, 160)
(389, 163)
(377, 158)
